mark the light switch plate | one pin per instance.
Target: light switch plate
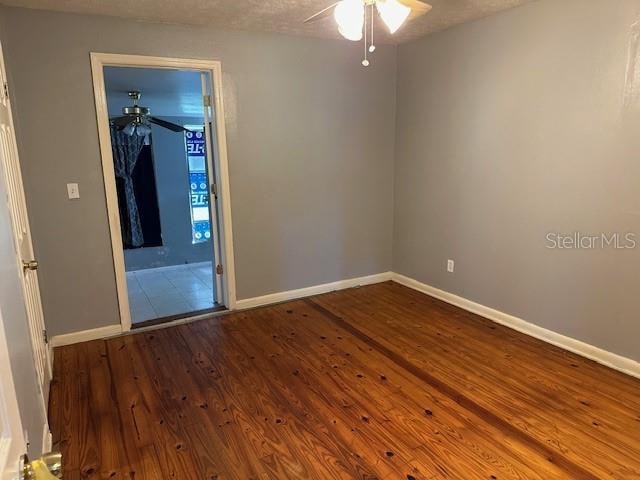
(450, 266)
(73, 191)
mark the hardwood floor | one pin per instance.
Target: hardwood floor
(379, 382)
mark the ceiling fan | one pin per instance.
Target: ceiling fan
(137, 120)
(351, 17)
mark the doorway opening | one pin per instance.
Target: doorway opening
(164, 161)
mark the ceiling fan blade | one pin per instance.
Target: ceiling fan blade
(121, 122)
(417, 7)
(163, 123)
(325, 12)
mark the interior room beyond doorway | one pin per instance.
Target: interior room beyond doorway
(158, 124)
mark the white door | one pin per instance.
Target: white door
(12, 444)
(22, 235)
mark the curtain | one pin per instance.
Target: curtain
(126, 150)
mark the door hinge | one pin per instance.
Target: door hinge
(219, 269)
(214, 190)
(6, 90)
(45, 337)
(207, 100)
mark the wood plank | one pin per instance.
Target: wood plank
(462, 356)
(379, 382)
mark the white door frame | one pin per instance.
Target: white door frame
(214, 67)
(12, 442)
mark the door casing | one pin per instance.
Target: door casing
(220, 168)
(12, 442)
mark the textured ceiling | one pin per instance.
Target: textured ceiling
(284, 16)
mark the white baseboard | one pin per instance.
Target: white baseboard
(612, 360)
(112, 330)
(314, 290)
(85, 335)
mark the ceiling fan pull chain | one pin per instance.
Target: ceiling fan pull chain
(372, 46)
(365, 62)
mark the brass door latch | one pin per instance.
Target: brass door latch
(47, 466)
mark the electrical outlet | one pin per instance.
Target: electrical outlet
(450, 266)
(73, 191)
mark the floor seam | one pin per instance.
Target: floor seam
(575, 470)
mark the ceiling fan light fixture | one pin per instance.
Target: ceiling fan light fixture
(349, 15)
(393, 13)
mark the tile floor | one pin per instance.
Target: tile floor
(162, 292)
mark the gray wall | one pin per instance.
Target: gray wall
(510, 128)
(174, 202)
(14, 318)
(310, 135)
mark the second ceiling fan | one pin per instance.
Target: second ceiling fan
(137, 120)
(351, 17)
